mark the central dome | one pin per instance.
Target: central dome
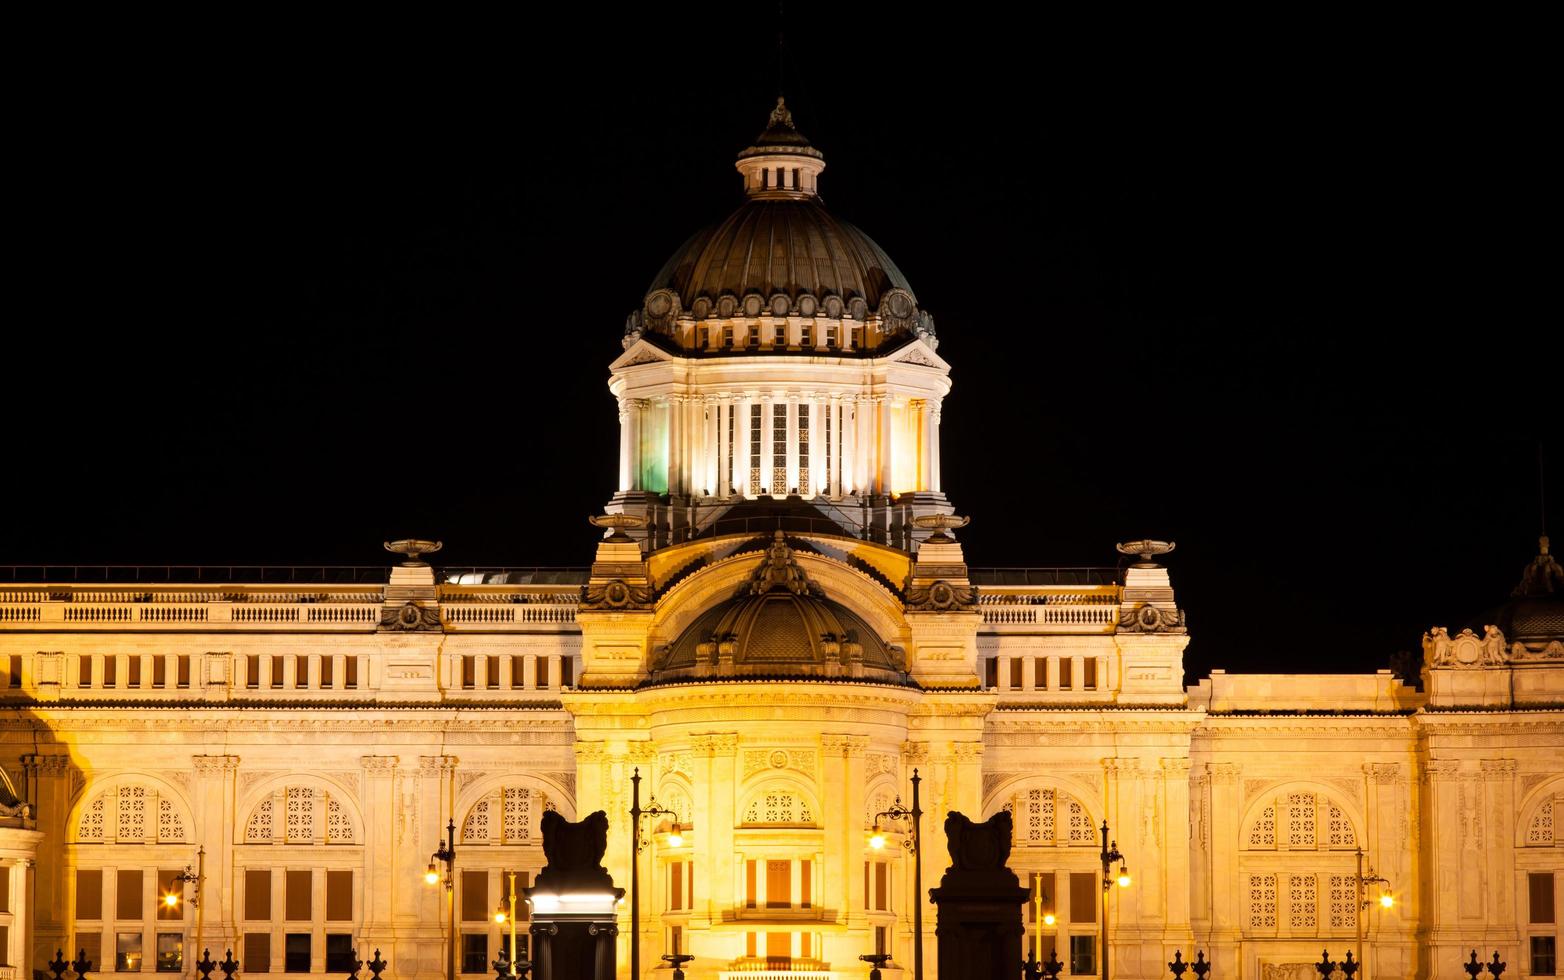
(782, 257)
(779, 624)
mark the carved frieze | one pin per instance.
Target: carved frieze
(1151, 619)
(378, 765)
(679, 762)
(410, 617)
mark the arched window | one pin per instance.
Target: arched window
(1295, 822)
(508, 815)
(1311, 891)
(777, 806)
(1048, 817)
(299, 815)
(131, 814)
(1539, 830)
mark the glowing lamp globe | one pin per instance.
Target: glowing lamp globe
(877, 841)
(676, 839)
(1049, 919)
(1124, 877)
(171, 900)
(431, 877)
(1387, 900)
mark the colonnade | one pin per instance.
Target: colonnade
(777, 442)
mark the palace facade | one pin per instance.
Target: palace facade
(778, 630)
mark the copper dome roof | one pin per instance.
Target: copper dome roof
(781, 246)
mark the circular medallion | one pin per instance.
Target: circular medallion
(778, 759)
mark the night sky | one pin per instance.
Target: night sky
(1291, 302)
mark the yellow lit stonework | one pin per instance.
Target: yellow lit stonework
(775, 635)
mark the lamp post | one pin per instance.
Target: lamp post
(1386, 900)
(637, 845)
(502, 916)
(1110, 853)
(447, 855)
(172, 899)
(877, 841)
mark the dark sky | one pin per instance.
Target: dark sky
(1284, 293)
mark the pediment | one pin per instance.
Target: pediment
(920, 353)
(640, 352)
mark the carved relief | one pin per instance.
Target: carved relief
(617, 594)
(678, 762)
(1150, 619)
(410, 617)
(248, 779)
(941, 596)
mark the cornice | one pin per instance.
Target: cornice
(276, 704)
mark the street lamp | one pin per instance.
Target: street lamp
(502, 915)
(447, 855)
(173, 898)
(877, 842)
(1386, 899)
(1110, 853)
(637, 845)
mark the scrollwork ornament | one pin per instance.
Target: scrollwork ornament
(617, 594)
(410, 617)
(941, 596)
(1150, 619)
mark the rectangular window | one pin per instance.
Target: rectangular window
(749, 886)
(754, 335)
(91, 943)
(127, 894)
(301, 671)
(277, 681)
(257, 894)
(327, 663)
(491, 669)
(991, 672)
(1083, 896)
(350, 673)
(89, 894)
(5, 945)
(542, 673)
(779, 486)
(339, 952)
(182, 662)
(1544, 956)
(14, 676)
(779, 949)
(518, 673)
(676, 940)
(881, 886)
(1040, 673)
(168, 883)
(803, 449)
(1016, 667)
(339, 898)
(127, 952)
(805, 336)
(296, 902)
(159, 671)
(523, 910)
(830, 335)
(754, 449)
(881, 939)
(469, 672)
(676, 885)
(5, 889)
(805, 868)
(296, 952)
(1066, 674)
(110, 678)
(84, 669)
(257, 952)
(779, 884)
(1083, 955)
(749, 944)
(252, 671)
(1540, 885)
(170, 952)
(805, 946)
(566, 671)
(475, 896)
(133, 674)
(475, 952)
(1089, 674)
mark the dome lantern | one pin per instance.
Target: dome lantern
(781, 164)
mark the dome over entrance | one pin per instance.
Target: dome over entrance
(780, 624)
(781, 256)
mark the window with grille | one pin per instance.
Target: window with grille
(754, 448)
(1048, 817)
(1539, 831)
(779, 450)
(803, 449)
(1293, 822)
(806, 336)
(1262, 901)
(131, 814)
(777, 806)
(299, 815)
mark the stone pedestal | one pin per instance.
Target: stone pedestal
(978, 903)
(574, 903)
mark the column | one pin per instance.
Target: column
(835, 870)
(635, 406)
(792, 442)
(676, 483)
(214, 827)
(855, 807)
(624, 444)
(741, 450)
(882, 405)
(722, 411)
(835, 460)
(926, 449)
(1004, 672)
(1225, 886)
(934, 416)
(1175, 845)
(1051, 674)
(53, 887)
(1028, 673)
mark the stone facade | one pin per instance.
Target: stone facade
(315, 737)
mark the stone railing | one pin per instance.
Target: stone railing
(1044, 609)
(260, 608)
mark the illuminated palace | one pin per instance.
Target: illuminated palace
(778, 629)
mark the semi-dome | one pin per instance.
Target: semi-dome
(781, 255)
(780, 624)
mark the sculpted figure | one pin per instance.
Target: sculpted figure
(1436, 647)
(1493, 645)
(978, 846)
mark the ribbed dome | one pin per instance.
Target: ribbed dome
(790, 247)
(1534, 615)
(782, 256)
(779, 625)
